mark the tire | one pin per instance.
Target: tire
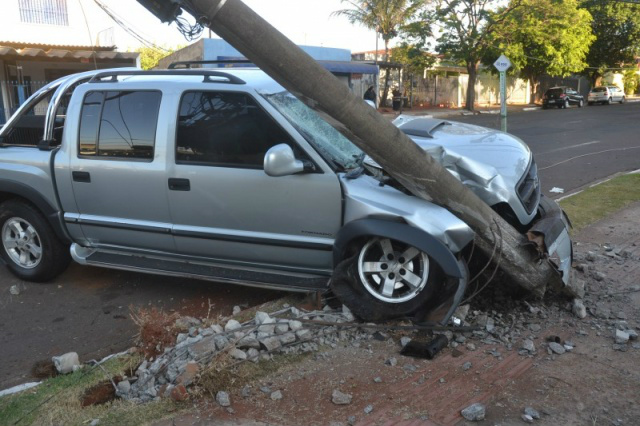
(590, 103)
(622, 100)
(608, 101)
(580, 103)
(362, 288)
(565, 105)
(30, 247)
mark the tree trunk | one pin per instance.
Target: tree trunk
(387, 73)
(402, 158)
(533, 86)
(472, 69)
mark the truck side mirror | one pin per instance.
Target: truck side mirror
(280, 161)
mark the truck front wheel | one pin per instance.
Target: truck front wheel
(386, 279)
(30, 248)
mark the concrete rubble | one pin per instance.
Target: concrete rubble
(67, 363)
(474, 413)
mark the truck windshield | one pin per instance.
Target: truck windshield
(331, 143)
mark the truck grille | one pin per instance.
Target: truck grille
(529, 188)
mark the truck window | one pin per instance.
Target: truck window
(28, 129)
(119, 124)
(225, 129)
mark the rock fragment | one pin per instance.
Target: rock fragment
(467, 366)
(392, 362)
(529, 346)
(232, 325)
(15, 290)
(276, 396)
(223, 399)
(621, 337)
(527, 418)
(530, 411)
(340, 398)
(578, 309)
(67, 363)
(557, 348)
(368, 409)
(238, 354)
(474, 413)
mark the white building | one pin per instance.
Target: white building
(42, 40)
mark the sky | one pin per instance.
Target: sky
(307, 22)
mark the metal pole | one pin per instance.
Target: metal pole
(503, 100)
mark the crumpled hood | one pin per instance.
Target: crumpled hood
(489, 162)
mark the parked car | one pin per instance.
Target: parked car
(562, 97)
(606, 95)
(226, 176)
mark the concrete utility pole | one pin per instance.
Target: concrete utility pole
(393, 150)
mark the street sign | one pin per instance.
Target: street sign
(502, 63)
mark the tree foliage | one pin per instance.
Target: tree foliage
(617, 28)
(468, 29)
(383, 16)
(149, 57)
(544, 36)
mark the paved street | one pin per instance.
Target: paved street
(577, 146)
(87, 309)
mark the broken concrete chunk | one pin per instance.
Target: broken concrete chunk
(392, 362)
(248, 341)
(281, 328)
(270, 343)
(287, 338)
(236, 310)
(466, 366)
(528, 346)
(621, 337)
(346, 313)
(221, 342)
(253, 354)
(232, 325)
(474, 413)
(404, 341)
(276, 396)
(124, 387)
(340, 398)
(223, 399)
(66, 363)
(217, 329)
(530, 411)
(368, 409)
(295, 325)
(579, 309)
(557, 348)
(238, 354)
(303, 334)
(527, 418)
(261, 317)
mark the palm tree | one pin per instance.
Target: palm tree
(383, 16)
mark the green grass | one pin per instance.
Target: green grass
(57, 401)
(601, 200)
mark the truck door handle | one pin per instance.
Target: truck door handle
(81, 177)
(176, 184)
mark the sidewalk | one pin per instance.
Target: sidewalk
(490, 367)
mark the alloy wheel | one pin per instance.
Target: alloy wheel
(392, 272)
(22, 243)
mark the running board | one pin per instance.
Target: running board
(185, 269)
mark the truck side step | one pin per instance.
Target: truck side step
(162, 266)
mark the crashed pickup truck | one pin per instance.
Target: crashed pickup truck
(225, 176)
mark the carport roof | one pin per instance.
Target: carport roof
(63, 52)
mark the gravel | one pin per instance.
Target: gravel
(474, 413)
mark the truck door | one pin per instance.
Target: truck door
(223, 204)
(118, 171)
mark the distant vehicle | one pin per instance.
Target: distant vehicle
(562, 97)
(606, 95)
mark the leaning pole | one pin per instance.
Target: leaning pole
(382, 141)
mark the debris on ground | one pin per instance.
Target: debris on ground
(14, 290)
(474, 413)
(67, 363)
(556, 190)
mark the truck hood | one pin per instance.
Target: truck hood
(489, 162)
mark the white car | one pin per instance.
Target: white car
(606, 95)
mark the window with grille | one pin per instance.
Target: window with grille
(50, 12)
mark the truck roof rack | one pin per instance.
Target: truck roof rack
(210, 76)
(188, 64)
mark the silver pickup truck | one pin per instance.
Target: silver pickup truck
(224, 175)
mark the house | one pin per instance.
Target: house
(42, 40)
(358, 76)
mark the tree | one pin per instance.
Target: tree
(468, 30)
(544, 36)
(149, 56)
(617, 28)
(383, 16)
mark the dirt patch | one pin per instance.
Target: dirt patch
(595, 381)
(101, 393)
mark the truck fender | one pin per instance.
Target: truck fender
(12, 189)
(400, 232)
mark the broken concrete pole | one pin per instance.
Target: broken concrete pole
(402, 158)
(67, 363)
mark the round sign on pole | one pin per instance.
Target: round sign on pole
(502, 63)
